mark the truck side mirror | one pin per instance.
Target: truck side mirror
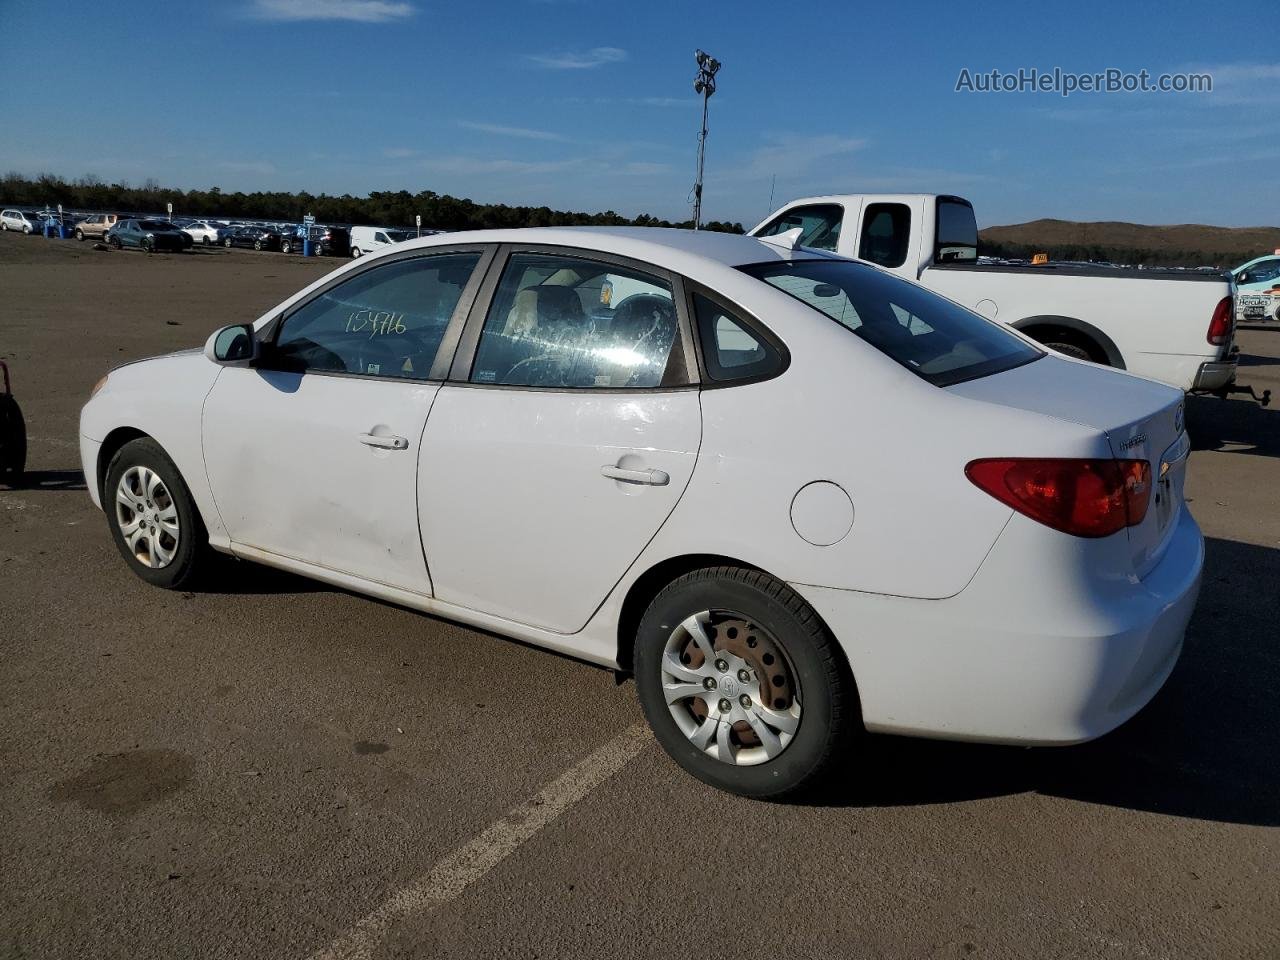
(232, 346)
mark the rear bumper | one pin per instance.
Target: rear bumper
(1037, 655)
(1214, 375)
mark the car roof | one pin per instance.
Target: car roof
(651, 244)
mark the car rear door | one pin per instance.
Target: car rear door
(564, 439)
(312, 454)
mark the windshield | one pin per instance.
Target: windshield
(155, 224)
(934, 338)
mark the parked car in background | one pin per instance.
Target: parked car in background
(205, 232)
(21, 220)
(259, 238)
(1175, 326)
(1258, 289)
(619, 444)
(368, 239)
(148, 235)
(326, 241)
(95, 226)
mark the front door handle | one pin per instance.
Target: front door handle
(386, 443)
(653, 478)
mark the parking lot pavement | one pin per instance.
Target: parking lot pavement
(272, 768)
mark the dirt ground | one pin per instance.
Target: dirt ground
(273, 768)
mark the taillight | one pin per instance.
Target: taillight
(1220, 324)
(1086, 498)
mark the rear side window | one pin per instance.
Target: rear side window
(384, 322)
(570, 323)
(886, 232)
(932, 337)
(957, 234)
(731, 349)
(819, 224)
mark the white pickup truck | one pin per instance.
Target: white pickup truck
(1175, 326)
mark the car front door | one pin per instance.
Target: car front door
(564, 440)
(312, 454)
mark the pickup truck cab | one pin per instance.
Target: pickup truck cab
(1175, 326)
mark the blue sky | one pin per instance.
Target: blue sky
(589, 105)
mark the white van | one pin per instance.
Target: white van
(368, 239)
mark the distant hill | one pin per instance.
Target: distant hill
(1186, 244)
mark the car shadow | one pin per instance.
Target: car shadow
(1201, 749)
(49, 480)
(1233, 426)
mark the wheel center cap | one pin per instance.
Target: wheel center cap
(729, 685)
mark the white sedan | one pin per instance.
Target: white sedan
(796, 497)
(205, 232)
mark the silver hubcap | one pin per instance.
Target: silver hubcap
(730, 688)
(147, 516)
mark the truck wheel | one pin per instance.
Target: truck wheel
(743, 684)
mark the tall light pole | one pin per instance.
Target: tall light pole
(705, 84)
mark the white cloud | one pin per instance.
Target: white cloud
(361, 11)
(793, 156)
(595, 57)
(523, 133)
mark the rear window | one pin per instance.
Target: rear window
(930, 336)
(957, 236)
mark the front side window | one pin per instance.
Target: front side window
(384, 322)
(819, 225)
(1263, 272)
(561, 321)
(934, 338)
(886, 233)
(957, 236)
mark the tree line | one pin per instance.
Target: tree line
(1133, 256)
(383, 207)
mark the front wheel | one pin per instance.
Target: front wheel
(26, 228)
(227, 243)
(115, 243)
(742, 683)
(80, 235)
(154, 521)
(257, 244)
(355, 253)
(286, 246)
(207, 242)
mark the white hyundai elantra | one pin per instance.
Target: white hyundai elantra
(796, 497)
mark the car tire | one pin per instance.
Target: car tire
(355, 253)
(286, 246)
(148, 246)
(206, 241)
(115, 243)
(13, 440)
(80, 235)
(26, 228)
(257, 244)
(4, 227)
(786, 646)
(166, 543)
(227, 243)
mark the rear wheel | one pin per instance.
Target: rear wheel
(257, 244)
(286, 246)
(206, 241)
(154, 521)
(742, 684)
(115, 242)
(79, 234)
(227, 243)
(149, 246)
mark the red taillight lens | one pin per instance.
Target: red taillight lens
(1086, 498)
(1220, 324)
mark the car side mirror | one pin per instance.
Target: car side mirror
(1244, 278)
(232, 346)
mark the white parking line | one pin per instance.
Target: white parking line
(468, 863)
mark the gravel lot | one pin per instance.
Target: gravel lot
(252, 771)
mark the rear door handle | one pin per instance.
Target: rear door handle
(653, 478)
(386, 443)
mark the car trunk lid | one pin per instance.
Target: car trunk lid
(1142, 420)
